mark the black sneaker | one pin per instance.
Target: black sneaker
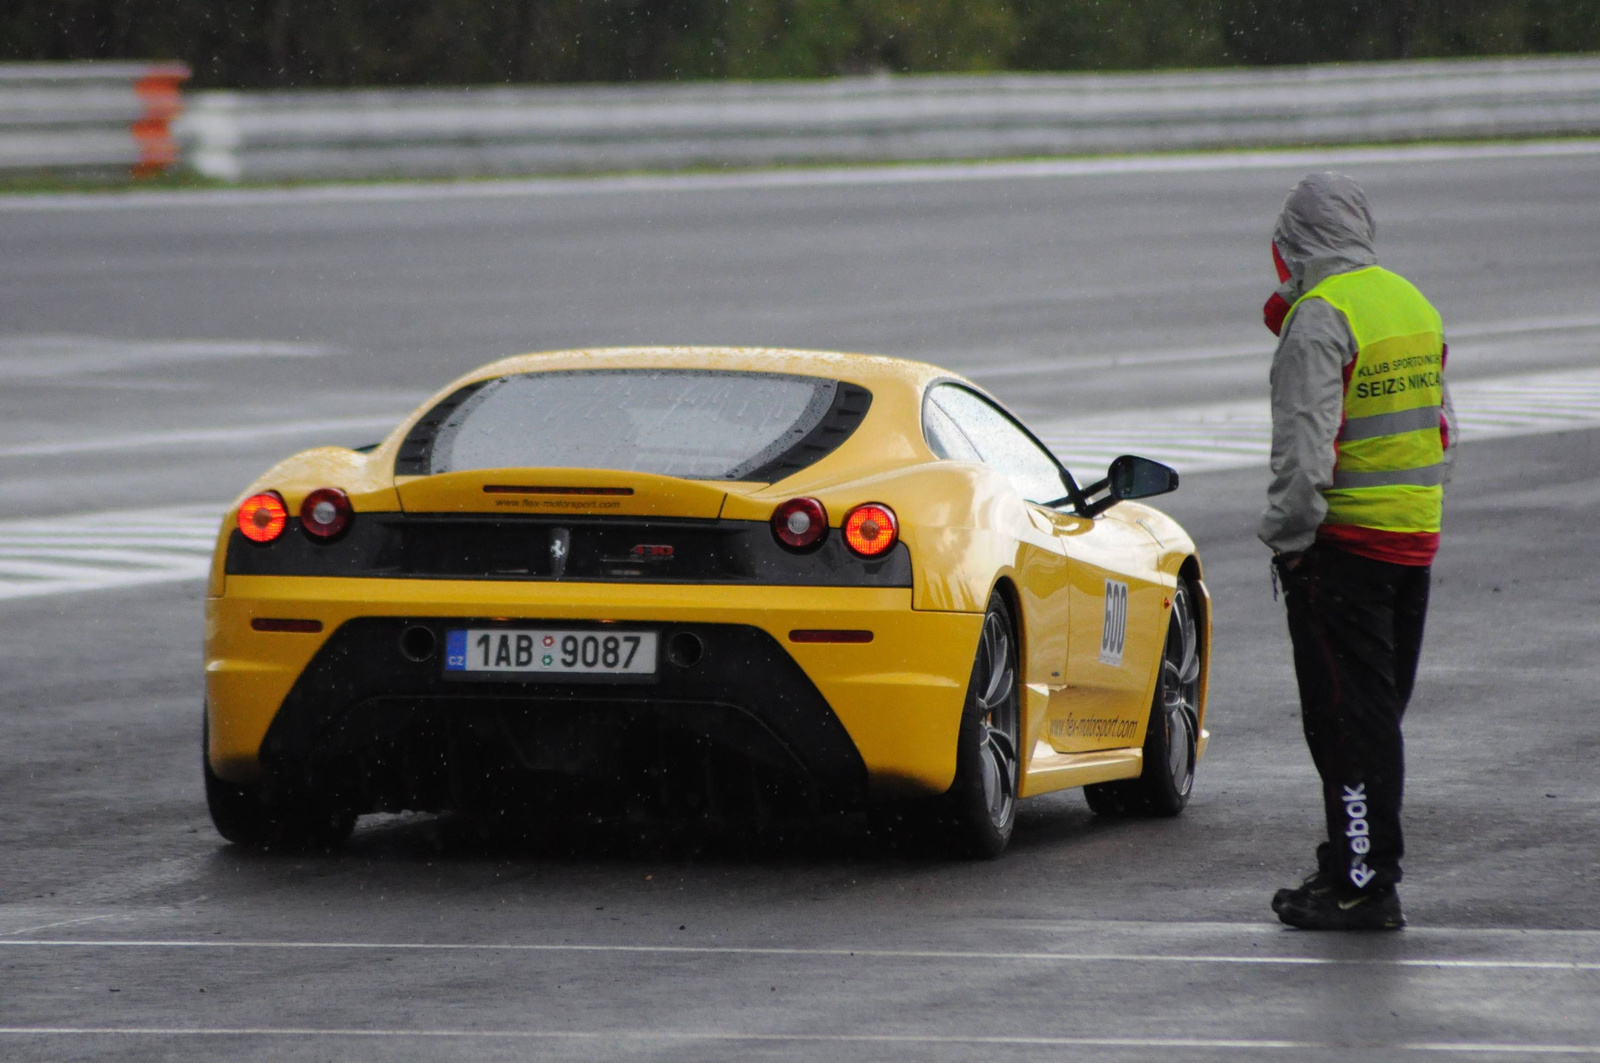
(1376, 910)
(1314, 883)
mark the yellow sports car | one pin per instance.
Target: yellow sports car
(700, 582)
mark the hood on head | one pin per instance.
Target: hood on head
(1325, 228)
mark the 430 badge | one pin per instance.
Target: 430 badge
(544, 650)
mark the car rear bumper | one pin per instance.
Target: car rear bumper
(878, 717)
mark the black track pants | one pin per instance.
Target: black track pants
(1356, 625)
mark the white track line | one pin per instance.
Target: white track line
(210, 436)
(42, 357)
(58, 924)
(842, 176)
(1069, 364)
(95, 551)
(726, 1036)
(816, 953)
(1517, 328)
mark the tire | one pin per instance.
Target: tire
(1163, 788)
(245, 816)
(236, 811)
(975, 817)
(981, 805)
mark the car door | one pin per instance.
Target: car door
(1116, 602)
(960, 424)
(1083, 604)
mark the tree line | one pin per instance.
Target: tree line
(284, 43)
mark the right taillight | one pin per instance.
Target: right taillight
(263, 517)
(800, 522)
(871, 529)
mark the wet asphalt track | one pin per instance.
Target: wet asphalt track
(121, 912)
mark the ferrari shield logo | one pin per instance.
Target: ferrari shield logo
(560, 539)
(1114, 629)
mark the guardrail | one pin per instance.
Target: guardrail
(89, 116)
(479, 131)
(460, 132)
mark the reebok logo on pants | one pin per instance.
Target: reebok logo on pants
(1355, 810)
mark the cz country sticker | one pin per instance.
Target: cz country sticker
(1114, 629)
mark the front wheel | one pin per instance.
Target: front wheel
(1171, 738)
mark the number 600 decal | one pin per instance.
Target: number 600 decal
(1114, 631)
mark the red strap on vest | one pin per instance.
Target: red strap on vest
(1397, 548)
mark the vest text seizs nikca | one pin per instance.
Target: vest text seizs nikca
(1387, 493)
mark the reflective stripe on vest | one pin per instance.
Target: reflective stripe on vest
(1427, 476)
(1389, 424)
(1390, 456)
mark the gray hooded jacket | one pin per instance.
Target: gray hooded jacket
(1325, 228)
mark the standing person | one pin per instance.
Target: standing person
(1361, 449)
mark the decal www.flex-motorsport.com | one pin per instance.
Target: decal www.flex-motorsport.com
(1114, 630)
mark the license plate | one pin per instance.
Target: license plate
(546, 651)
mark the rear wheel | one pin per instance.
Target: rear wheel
(982, 802)
(1163, 788)
(976, 815)
(245, 815)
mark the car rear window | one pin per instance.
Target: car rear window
(695, 424)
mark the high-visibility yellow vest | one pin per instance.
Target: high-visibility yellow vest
(1390, 467)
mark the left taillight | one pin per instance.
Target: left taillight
(325, 512)
(263, 517)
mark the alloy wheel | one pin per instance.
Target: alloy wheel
(1180, 690)
(999, 717)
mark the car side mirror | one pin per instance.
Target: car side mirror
(1131, 476)
(1128, 477)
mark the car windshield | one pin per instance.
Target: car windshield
(695, 424)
